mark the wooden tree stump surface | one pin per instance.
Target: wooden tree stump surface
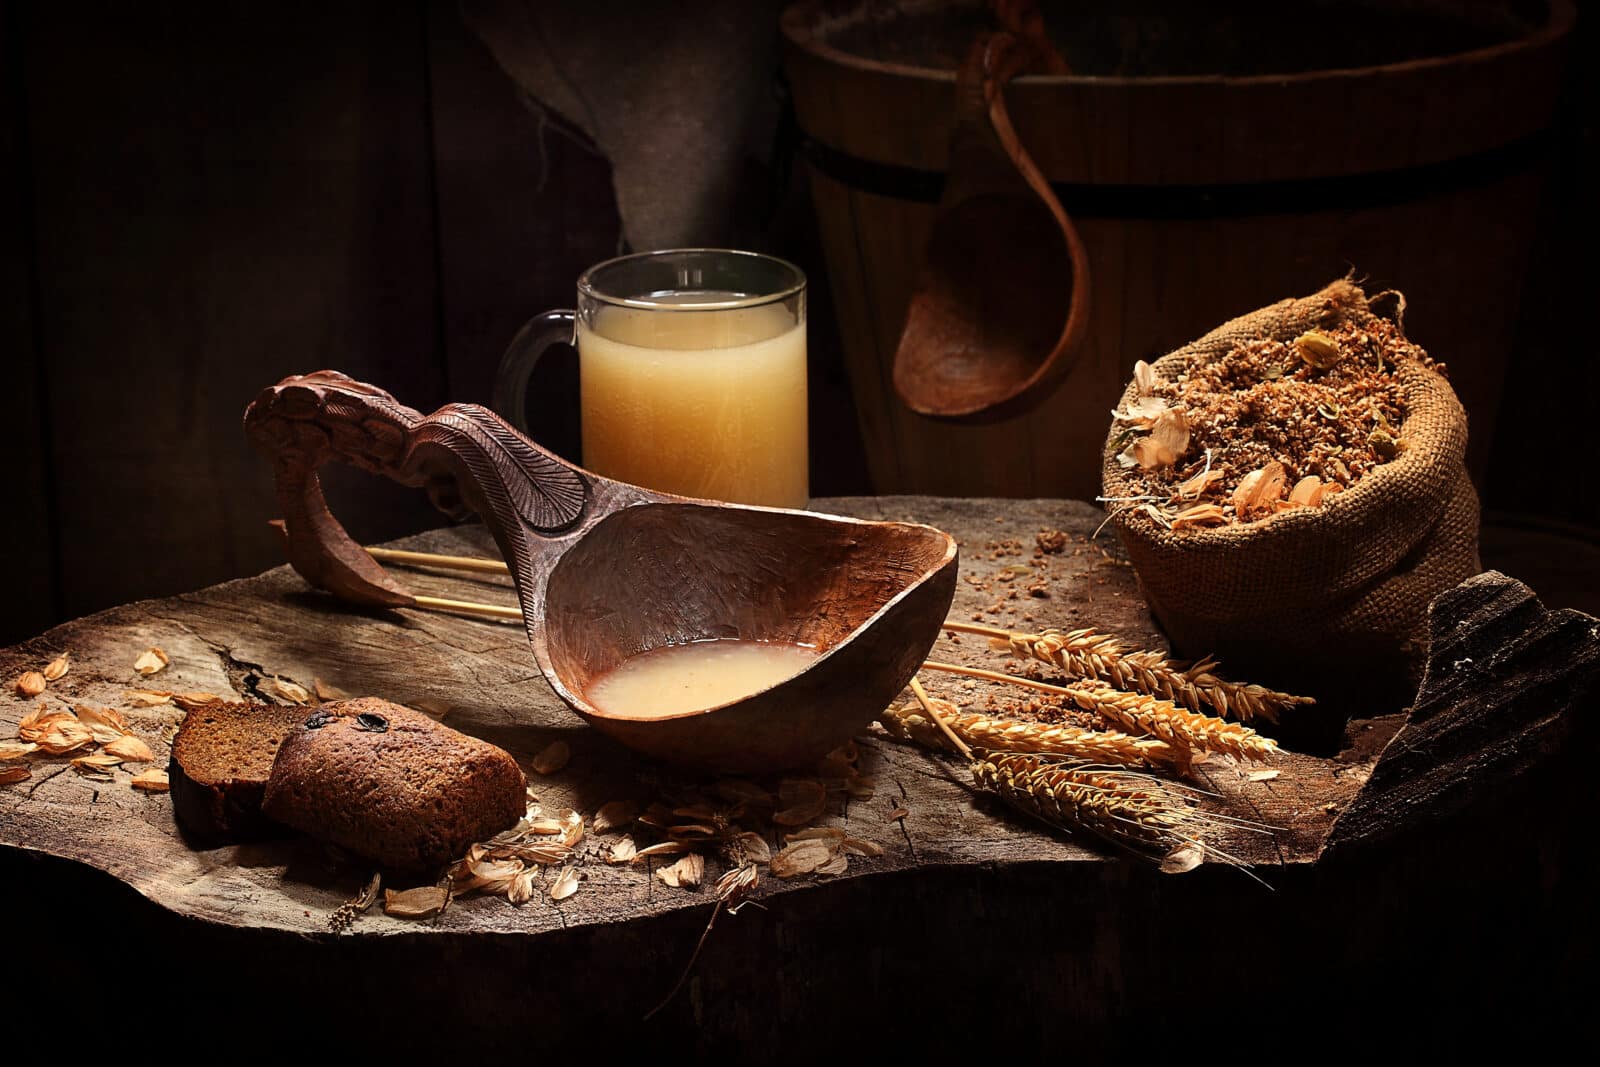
(232, 639)
(1380, 856)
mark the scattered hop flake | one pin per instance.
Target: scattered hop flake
(1307, 492)
(423, 902)
(17, 773)
(565, 885)
(130, 749)
(55, 732)
(30, 685)
(190, 701)
(753, 846)
(1183, 859)
(1143, 412)
(97, 766)
(151, 661)
(1198, 485)
(521, 890)
(15, 750)
(1199, 515)
(613, 816)
(327, 691)
(856, 846)
(1144, 376)
(687, 873)
(492, 876)
(147, 698)
(1318, 349)
(1263, 776)
(820, 850)
(57, 668)
(287, 691)
(623, 851)
(1260, 489)
(802, 800)
(665, 848)
(572, 832)
(552, 758)
(105, 724)
(801, 857)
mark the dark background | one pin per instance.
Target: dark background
(206, 198)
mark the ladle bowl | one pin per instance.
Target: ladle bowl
(605, 570)
(1001, 304)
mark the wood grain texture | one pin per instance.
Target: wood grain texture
(1057, 942)
(231, 638)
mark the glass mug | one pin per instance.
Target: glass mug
(691, 373)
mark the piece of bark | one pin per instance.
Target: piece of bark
(1508, 687)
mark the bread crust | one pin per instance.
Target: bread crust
(391, 785)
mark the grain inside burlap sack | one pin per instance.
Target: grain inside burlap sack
(1330, 601)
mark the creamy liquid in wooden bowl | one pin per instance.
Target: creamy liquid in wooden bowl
(693, 677)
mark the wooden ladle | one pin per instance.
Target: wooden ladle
(605, 570)
(1001, 304)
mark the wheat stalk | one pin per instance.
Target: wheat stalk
(1142, 714)
(1132, 810)
(1128, 809)
(1010, 735)
(1174, 725)
(1091, 654)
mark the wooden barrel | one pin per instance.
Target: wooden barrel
(1199, 196)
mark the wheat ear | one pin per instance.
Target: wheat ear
(1009, 735)
(1128, 809)
(1094, 655)
(1142, 714)
(1176, 726)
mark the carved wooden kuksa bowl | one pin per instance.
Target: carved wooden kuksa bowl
(606, 570)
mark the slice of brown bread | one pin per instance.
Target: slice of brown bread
(391, 785)
(221, 758)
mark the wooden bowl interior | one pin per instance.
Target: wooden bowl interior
(667, 574)
(990, 305)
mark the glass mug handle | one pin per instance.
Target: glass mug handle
(522, 355)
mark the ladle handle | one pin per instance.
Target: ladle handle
(464, 454)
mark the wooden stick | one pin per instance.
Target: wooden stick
(432, 559)
(996, 676)
(974, 628)
(480, 565)
(927, 709)
(468, 607)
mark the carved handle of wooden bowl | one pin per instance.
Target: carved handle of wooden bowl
(464, 454)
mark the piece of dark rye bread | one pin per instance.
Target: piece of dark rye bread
(221, 758)
(391, 785)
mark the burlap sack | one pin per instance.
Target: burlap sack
(1329, 600)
